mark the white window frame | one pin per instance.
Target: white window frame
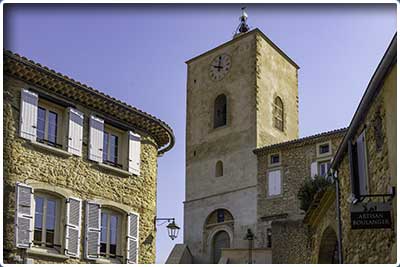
(323, 162)
(58, 229)
(119, 234)
(59, 110)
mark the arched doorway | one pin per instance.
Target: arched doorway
(328, 249)
(220, 240)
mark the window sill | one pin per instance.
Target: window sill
(107, 261)
(51, 149)
(46, 252)
(114, 169)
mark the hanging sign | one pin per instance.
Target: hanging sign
(371, 215)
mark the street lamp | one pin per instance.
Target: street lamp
(172, 228)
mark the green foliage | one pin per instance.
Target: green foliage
(309, 188)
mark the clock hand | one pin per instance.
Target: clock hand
(217, 67)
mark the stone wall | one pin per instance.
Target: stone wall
(24, 162)
(290, 242)
(371, 245)
(296, 159)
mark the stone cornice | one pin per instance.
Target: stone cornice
(33, 73)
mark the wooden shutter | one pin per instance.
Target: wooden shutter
(274, 183)
(132, 247)
(134, 153)
(73, 227)
(28, 115)
(75, 131)
(362, 164)
(24, 216)
(314, 169)
(96, 139)
(93, 230)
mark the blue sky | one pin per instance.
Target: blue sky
(136, 53)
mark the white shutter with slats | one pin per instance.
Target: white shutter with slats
(24, 215)
(132, 240)
(362, 164)
(96, 139)
(274, 183)
(93, 230)
(134, 153)
(75, 131)
(28, 115)
(73, 227)
(314, 169)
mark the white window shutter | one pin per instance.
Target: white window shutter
(274, 183)
(132, 244)
(28, 115)
(24, 215)
(134, 153)
(362, 164)
(75, 131)
(93, 230)
(278, 182)
(96, 139)
(73, 227)
(314, 169)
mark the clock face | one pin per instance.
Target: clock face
(219, 67)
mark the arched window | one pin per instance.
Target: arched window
(47, 220)
(278, 114)
(220, 111)
(219, 169)
(110, 238)
(219, 216)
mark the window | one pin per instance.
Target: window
(278, 114)
(324, 149)
(48, 124)
(219, 169)
(274, 183)
(46, 221)
(323, 168)
(219, 216)
(110, 148)
(220, 111)
(274, 159)
(110, 233)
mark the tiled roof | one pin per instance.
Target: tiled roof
(34, 73)
(306, 139)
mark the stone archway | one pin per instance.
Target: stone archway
(328, 248)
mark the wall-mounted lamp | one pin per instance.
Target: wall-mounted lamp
(172, 228)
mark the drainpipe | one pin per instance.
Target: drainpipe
(339, 216)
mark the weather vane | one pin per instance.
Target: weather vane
(242, 27)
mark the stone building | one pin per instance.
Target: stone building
(245, 163)
(80, 171)
(365, 168)
(232, 92)
(282, 169)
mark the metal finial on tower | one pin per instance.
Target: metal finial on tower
(243, 27)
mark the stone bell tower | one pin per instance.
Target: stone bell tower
(241, 95)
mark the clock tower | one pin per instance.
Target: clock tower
(241, 95)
